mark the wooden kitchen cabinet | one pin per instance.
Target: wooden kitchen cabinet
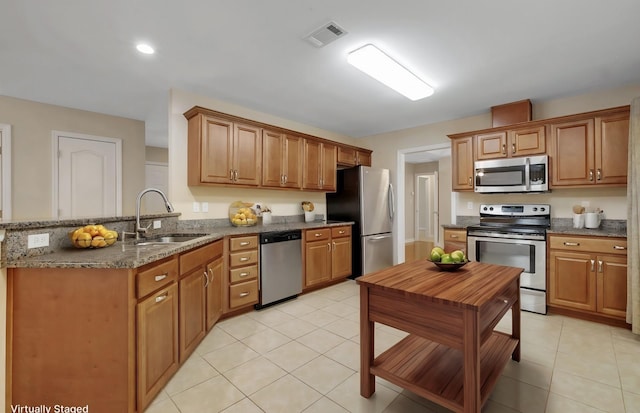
(462, 163)
(222, 151)
(320, 166)
(241, 285)
(282, 156)
(588, 275)
(350, 156)
(455, 239)
(157, 338)
(590, 151)
(327, 255)
(195, 288)
(524, 141)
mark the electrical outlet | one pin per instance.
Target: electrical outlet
(469, 205)
(157, 224)
(205, 207)
(196, 207)
(38, 240)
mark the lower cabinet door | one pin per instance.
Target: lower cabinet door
(157, 338)
(214, 292)
(317, 263)
(612, 285)
(572, 280)
(192, 311)
(341, 257)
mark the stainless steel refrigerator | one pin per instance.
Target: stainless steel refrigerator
(365, 195)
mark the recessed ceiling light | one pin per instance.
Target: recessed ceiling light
(145, 48)
(384, 69)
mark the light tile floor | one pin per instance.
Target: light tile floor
(303, 356)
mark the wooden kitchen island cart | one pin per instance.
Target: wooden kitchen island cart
(452, 354)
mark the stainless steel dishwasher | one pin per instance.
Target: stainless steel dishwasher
(280, 266)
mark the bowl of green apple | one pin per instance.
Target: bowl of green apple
(448, 261)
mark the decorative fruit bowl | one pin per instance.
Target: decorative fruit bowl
(242, 215)
(92, 236)
(449, 266)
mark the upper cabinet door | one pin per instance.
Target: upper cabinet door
(292, 155)
(312, 164)
(491, 145)
(612, 144)
(247, 150)
(462, 163)
(216, 150)
(272, 162)
(526, 141)
(329, 167)
(573, 158)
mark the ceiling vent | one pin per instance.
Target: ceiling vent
(326, 34)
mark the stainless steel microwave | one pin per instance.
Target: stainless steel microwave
(524, 174)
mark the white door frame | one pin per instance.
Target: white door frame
(432, 211)
(55, 140)
(399, 233)
(6, 171)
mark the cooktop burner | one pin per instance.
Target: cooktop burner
(514, 219)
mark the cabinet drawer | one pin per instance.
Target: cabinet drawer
(455, 235)
(156, 276)
(317, 234)
(243, 274)
(243, 243)
(598, 244)
(339, 232)
(242, 294)
(242, 258)
(199, 256)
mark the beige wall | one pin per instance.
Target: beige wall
(613, 200)
(156, 154)
(182, 196)
(32, 125)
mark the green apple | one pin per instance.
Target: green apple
(446, 259)
(457, 256)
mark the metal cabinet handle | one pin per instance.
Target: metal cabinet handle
(513, 148)
(592, 265)
(244, 243)
(470, 181)
(242, 259)
(599, 174)
(571, 244)
(619, 247)
(328, 246)
(243, 274)
(599, 265)
(317, 234)
(231, 174)
(341, 232)
(286, 179)
(504, 149)
(162, 297)
(206, 279)
(160, 277)
(211, 272)
(590, 174)
(334, 245)
(453, 236)
(244, 294)
(237, 174)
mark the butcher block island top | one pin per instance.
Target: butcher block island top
(452, 355)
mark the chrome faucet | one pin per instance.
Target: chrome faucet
(167, 204)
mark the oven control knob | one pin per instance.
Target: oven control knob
(542, 209)
(484, 209)
(490, 208)
(535, 209)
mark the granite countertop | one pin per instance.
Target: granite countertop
(125, 254)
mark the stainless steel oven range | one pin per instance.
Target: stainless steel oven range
(515, 235)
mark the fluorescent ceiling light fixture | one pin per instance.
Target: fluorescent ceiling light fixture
(384, 69)
(145, 48)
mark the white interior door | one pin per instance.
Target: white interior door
(426, 211)
(156, 176)
(5, 172)
(87, 176)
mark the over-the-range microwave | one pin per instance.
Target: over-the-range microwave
(524, 174)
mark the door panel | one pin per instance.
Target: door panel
(87, 178)
(374, 207)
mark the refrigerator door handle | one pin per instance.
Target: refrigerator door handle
(391, 199)
(379, 237)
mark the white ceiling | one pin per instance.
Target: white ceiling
(477, 54)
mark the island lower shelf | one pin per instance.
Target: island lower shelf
(435, 371)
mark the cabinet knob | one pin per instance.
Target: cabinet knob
(160, 277)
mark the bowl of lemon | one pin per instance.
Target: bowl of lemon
(451, 261)
(241, 214)
(92, 236)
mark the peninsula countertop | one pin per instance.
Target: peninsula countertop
(129, 255)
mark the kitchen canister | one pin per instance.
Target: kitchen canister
(578, 220)
(592, 220)
(266, 218)
(309, 216)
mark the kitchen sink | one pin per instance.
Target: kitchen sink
(168, 239)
